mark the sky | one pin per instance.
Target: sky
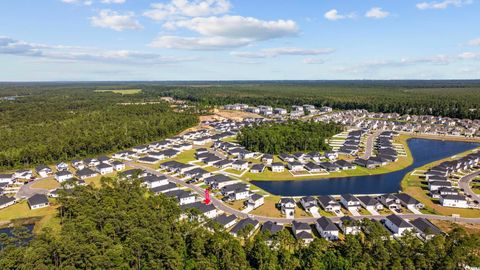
(124, 40)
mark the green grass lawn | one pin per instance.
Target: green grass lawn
(46, 184)
(121, 91)
(21, 210)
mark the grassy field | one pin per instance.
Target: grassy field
(415, 186)
(21, 210)
(121, 91)
(46, 184)
(447, 226)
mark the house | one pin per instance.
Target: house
(207, 210)
(104, 159)
(169, 153)
(286, 157)
(329, 203)
(310, 204)
(62, 166)
(141, 149)
(22, 174)
(255, 201)
(295, 166)
(350, 202)
(43, 170)
(104, 168)
(118, 166)
(38, 201)
(287, 207)
(218, 181)
(6, 178)
(435, 185)
(164, 188)
(242, 224)
(91, 162)
(271, 227)
(235, 192)
(390, 201)
(425, 228)
(86, 173)
(240, 165)
(344, 165)
(137, 173)
(6, 201)
(246, 154)
(78, 164)
(62, 176)
(153, 181)
(458, 201)
(148, 160)
(277, 167)
(257, 168)
(183, 197)
(409, 202)
(267, 159)
(302, 231)
(326, 228)
(348, 225)
(397, 225)
(225, 221)
(224, 163)
(312, 167)
(330, 167)
(370, 203)
(197, 173)
(331, 155)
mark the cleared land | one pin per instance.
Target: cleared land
(21, 210)
(46, 184)
(121, 91)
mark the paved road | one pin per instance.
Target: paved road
(26, 191)
(464, 183)
(369, 144)
(227, 209)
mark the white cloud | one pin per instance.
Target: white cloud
(469, 55)
(198, 43)
(474, 42)
(113, 1)
(84, 2)
(377, 13)
(187, 8)
(116, 21)
(443, 4)
(333, 15)
(224, 32)
(312, 61)
(275, 52)
(12, 46)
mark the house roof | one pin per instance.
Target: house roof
(398, 221)
(37, 199)
(5, 200)
(256, 197)
(242, 224)
(179, 194)
(153, 178)
(162, 188)
(224, 219)
(326, 224)
(304, 235)
(405, 198)
(425, 226)
(300, 225)
(85, 172)
(367, 200)
(272, 227)
(203, 208)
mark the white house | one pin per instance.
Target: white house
(118, 166)
(43, 171)
(350, 202)
(349, 225)
(458, 201)
(278, 167)
(287, 207)
(255, 201)
(38, 201)
(6, 178)
(6, 201)
(302, 231)
(23, 174)
(326, 228)
(240, 165)
(295, 166)
(104, 168)
(62, 166)
(397, 225)
(62, 176)
(153, 181)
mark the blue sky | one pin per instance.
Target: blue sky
(68, 40)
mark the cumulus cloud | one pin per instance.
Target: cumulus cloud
(187, 8)
(116, 21)
(16, 47)
(224, 32)
(443, 4)
(333, 15)
(275, 52)
(377, 13)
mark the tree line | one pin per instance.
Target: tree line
(288, 137)
(118, 227)
(51, 125)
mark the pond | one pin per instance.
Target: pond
(424, 151)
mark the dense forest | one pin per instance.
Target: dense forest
(458, 99)
(49, 124)
(118, 227)
(289, 137)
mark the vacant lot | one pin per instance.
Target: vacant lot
(121, 91)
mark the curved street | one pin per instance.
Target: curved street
(464, 183)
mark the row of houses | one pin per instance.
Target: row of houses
(295, 111)
(440, 184)
(310, 204)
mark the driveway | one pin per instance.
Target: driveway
(369, 144)
(464, 183)
(26, 191)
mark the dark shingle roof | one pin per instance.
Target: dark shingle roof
(37, 199)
